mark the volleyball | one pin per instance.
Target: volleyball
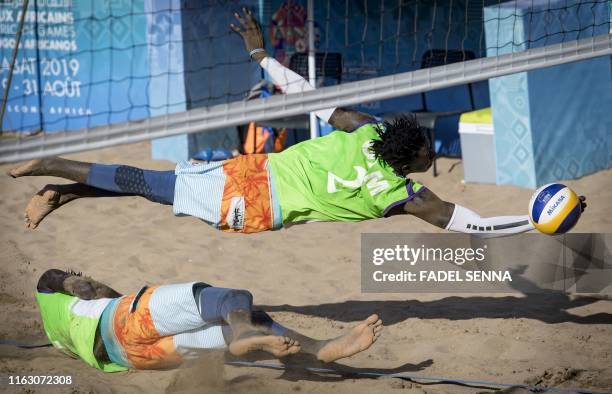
(554, 209)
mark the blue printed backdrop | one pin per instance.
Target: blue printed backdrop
(117, 60)
(166, 88)
(214, 68)
(217, 65)
(510, 101)
(23, 105)
(573, 125)
(377, 38)
(167, 77)
(106, 61)
(551, 123)
(81, 64)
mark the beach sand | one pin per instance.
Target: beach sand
(308, 276)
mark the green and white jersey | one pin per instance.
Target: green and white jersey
(70, 323)
(337, 178)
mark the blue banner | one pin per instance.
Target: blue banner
(81, 63)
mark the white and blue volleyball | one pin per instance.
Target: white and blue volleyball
(554, 209)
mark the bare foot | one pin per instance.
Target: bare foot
(357, 340)
(43, 203)
(277, 345)
(32, 167)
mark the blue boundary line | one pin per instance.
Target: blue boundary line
(413, 378)
(416, 378)
(23, 345)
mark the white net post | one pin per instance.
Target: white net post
(312, 67)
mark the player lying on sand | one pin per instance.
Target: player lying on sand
(162, 326)
(357, 173)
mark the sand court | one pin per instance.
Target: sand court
(309, 278)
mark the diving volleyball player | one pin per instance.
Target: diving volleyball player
(359, 172)
(162, 326)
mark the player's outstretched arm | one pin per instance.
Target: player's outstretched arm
(289, 81)
(453, 217)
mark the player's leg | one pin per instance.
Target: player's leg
(157, 186)
(181, 319)
(51, 197)
(161, 327)
(53, 166)
(356, 340)
(231, 308)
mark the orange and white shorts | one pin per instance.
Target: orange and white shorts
(157, 328)
(235, 195)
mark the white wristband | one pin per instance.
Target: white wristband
(256, 50)
(465, 220)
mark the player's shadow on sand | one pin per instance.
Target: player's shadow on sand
(304, 367)
(548, 306)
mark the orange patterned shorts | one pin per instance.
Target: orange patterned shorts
(135, 331)
(158, 328)
(246, 206)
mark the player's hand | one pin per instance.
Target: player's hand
(250, 31)
(583, 204)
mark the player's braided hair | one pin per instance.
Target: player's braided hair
(400, 141)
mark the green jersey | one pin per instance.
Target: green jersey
(337, 177)
(71, 323)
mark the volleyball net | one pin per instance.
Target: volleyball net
(85, 74)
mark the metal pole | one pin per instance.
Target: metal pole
(12, 67)
(312, 67)
(260, 6)
(38, 76)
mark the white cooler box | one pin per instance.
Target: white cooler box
(477, 146)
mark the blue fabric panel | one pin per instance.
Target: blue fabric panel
(551, 123)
